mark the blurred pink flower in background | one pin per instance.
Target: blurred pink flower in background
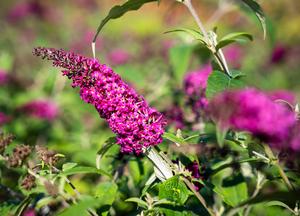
(174, 115)
(165, 47)
(25, 8)
(233, 55)
(4, 78)
(41, 109)
(278, 54)
(4, 118)
(252, 110)
(118, 57)
(29, 212)
(193, 167)
(195, 86)
(283, 95)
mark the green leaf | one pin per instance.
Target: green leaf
(120, 10)
(279, 203)
(233, 190)
(255, 7)
(173, 138)
(81, 208)
(138, 201)
(282, 196)
(174, 190)
(179, 60)
(68, 166)
(218, 82)
(194, 33)
(106, 193)
(233, 37)
(6, 208)
(106, 146)
(83, 170)
(136, 170)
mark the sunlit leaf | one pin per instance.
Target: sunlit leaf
(218, 82)
(194, 33)
(138, 201)
(233, 190)
(174, 189)
(173, 138)
(255, 7)
(233, 37)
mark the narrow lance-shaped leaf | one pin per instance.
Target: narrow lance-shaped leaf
(233, 37)
(106, 146)
(255, 7)
(192, 32)
(120, 10)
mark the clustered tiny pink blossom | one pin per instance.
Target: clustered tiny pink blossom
(135, 123)
(254, 111)
(41, 109)
(195, 86)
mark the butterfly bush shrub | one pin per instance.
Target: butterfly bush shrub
(184, 131)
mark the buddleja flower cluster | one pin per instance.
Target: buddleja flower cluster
(136, 124)
(254, 111)
(195, 86)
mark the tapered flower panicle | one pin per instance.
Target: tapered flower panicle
(253, 111)
(136, 125)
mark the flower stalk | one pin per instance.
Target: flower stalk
(276, 163)
(210, 39)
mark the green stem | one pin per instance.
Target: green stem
(211, 43)
(277, 164)
(198, 195)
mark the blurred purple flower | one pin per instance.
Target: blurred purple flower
(195, 86)
(136, 125)
(4, 118)
(193, 167)
(253, 111)
(278, 54)
(29, 212)
(41, 109)
(283, 95)
(23, 9)
(165, 47)
(233, 55)
(175, 116)
(118, 57)
(4, 78)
